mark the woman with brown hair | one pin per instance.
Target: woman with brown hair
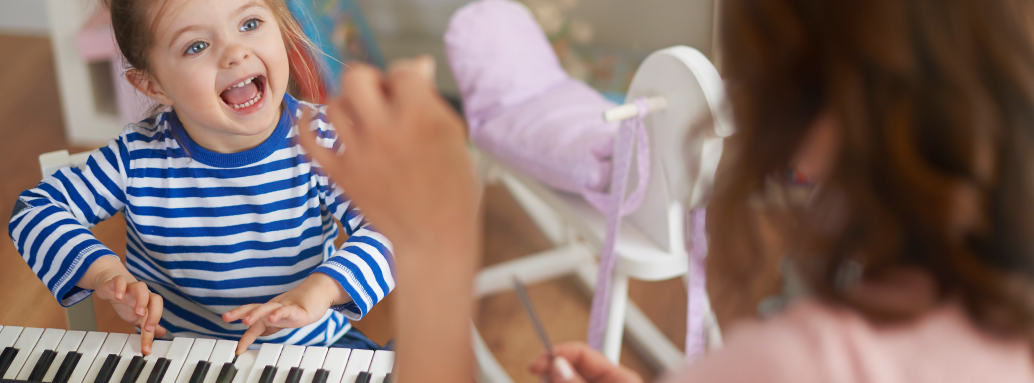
(914, 119)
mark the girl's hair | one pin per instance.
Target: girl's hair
(934, 100)
(135, 33)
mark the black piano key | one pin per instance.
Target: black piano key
(67, 366)
(294, 375)
(227, 373)
(364, 377)
(6, 358)
(133, 371)
(158, 372)
(320, 376)
(200, 371)
(387, 378)
(267, 374)
(107, 368)
(42, 365)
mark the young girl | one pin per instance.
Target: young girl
(230, 229)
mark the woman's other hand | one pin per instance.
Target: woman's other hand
(576, 362)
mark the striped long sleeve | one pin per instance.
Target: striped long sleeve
(207, 231)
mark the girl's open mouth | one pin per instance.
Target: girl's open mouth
(245, 94)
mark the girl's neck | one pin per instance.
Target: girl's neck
(224, 142)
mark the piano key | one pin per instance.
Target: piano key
(294, 375)
(48, 341)
(227, 373)
(381, 365)
(42, 365)
(112, 345)
(107, 369)
(358, 362)
(177, 355)
(90, 348)
(244, 362)
(158, 371)
(25, 343)
(6, 357)
(8, 335)
(201, 350)
(127, 356)
(159, 348)
(363, 377)
(133, 369)
(387, 378)
(68, 346)
(311, 362)
(291, 356)
(222, 353)
(320, 376)
(200, 371)
(64, 372)
(335, 363)
(268, 373)
(268, 355)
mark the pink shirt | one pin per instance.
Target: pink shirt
(816, 343)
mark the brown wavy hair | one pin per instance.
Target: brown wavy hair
(934, 100)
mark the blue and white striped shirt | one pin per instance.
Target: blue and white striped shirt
(207, 231)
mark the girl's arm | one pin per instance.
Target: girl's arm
(50, 227)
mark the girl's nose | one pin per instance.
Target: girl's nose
(234, 55)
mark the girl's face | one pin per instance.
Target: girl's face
(222, 65)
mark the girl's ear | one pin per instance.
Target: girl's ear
(147, 85)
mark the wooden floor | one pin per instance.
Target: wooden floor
(31, 124)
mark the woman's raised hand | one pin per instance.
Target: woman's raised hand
(576, 362)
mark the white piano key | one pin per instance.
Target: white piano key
(268, 354)
(25, 343)
(131, 349)
(312, 361)
(244, 364)
(9, 335)
(335, 363)
(90, 347)
(158, 350)
(222, 353)
(177, 354)
(358, 361)
(201, 350)
(112, 345)
(48, 341)
(291, 356)
(70, 342)
(381, 365)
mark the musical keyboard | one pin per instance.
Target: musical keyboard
(59, 356)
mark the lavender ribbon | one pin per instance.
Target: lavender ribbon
(696, 339)
(614, 206)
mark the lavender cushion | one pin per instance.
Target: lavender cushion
(520, 104)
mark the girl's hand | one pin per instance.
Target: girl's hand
(577, 362)
(134, 303)
(301, 306)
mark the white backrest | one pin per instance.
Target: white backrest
(50, 163)
(685, 139)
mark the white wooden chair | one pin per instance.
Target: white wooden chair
(81, 316)
(685, 144)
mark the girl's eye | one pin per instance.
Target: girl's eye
(250, 25)
(196, 47)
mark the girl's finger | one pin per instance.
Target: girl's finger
(141, 293)
(146, 338)
(249, 336)
(159, 331)
(120, 287)
(239, 312)
(154, 312)
(260, 313)
(287, 316)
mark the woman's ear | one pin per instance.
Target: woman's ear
(147, 85)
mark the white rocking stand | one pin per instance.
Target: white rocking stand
(685, 138)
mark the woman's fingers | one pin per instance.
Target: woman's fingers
(363, 96)
(585, 362)
(327, 159)
(562, 371)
